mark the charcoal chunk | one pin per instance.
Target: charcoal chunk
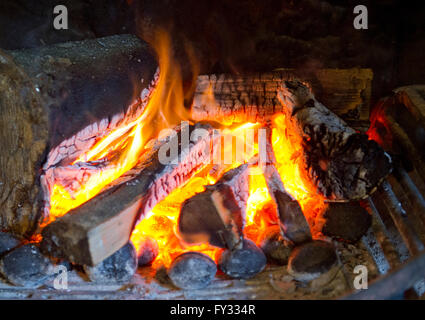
(192, 270)
(8, 242)
(118, 268)
(346, 221)
(243, 263)
(311, 260)
(147, 251)
(276, 249)
(26, 266)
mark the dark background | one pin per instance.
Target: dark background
(244, 35)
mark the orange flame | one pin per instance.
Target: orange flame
(288, 148)
(122, 148)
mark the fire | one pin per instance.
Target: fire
(287, 145)
(161, 223)
(121, 150)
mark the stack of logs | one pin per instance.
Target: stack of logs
(344, 164)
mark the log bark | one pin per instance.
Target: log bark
(217, 215)
(55, 102)
(93, 231)
(345, 165)
(253, 97)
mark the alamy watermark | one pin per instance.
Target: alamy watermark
(222, 147)
(60, 20)
(361, 280)
(60, 282)
(361, 20)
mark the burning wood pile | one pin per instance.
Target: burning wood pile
(105, 168)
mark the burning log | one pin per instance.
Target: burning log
(217, 215)
(61, 99)
(93, 231)
(228, 98)
(242, 263)
(192, 270)
(118, 268)
(292, 221)
(344, 164)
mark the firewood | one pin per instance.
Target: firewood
(345, 165)
(242, 263)
(253, 97)
(118, 268)
(192, 270)
(26, 267)
(93, 231)
(56, 101)
(217, 215)
(292, 221)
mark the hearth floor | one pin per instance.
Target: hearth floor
(271, 283)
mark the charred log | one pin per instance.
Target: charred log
(60, 99)
(344, 164)
(93, 231)
(217, 215)
(228, 98)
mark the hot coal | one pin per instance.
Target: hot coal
(276, 249)
(243, 263)
(311, 260)
(192, 270)
(118, 268)
(147, 251)
(8, 242)
(346, 221)
(26, 266)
